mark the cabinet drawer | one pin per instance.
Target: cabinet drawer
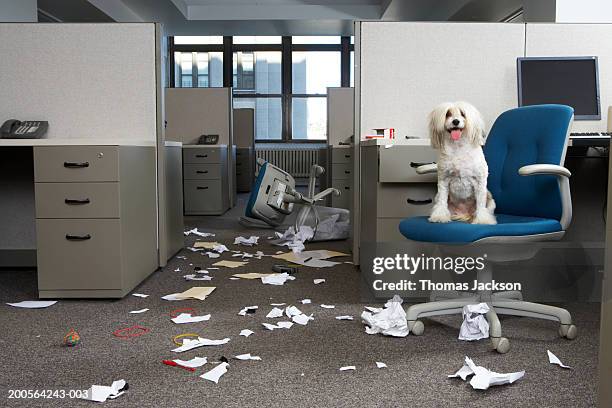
(342, 155)
(77, 200)
(387, 230)
(76, 163)
(201, 171)
(78, 254)
(398, 164)
(405, 200)
(345, 198)
(342, 171)
(204, 196)
(202, 155)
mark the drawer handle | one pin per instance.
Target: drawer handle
(238, 174)
(201, 156)
(347, 172)
(78, 237)
(76, 202)
(201, 171)
(347, 188)
(202, 188)
(347, 156)
(73, 165)
(414, 165)
(419, 202)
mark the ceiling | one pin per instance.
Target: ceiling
(256, 17)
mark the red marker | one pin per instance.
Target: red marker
(174, 364)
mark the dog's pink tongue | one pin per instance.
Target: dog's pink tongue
(455, 134)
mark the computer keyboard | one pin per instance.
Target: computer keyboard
(591, 134)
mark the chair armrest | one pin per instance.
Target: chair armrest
(427, 168)
(550, 169)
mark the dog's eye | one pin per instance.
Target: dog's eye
(448, 114)
(463, 114)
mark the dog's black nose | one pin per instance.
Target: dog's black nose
(455, 122)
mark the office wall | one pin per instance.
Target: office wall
(563, 40)
(87, 80)
(22, 11)
(430, 63)
(192, 112)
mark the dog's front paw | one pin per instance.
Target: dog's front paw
(440, 215)
(484, 217)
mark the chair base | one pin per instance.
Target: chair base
(504, 303)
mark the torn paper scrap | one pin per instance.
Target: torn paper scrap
(251, 275)
(277, 304)
(188, 318)
(274, 313)
(302, 319)
(380, 365)
(247, 356)
(198, 233)
(391, 321)
(484, 378)
(220, 248)
(277, 279)
(212, 254)
(328, 306)
(347, 368)
(195, 277)
(193, 363)
(306, 301)
(34, 304)
(196, 292)
(139, 311)
(205, 245)
(292, 311)
(140, 295)
(246, 332)
(252, 240)
(100, 393)
(300, 258)
(373, 309)
(552, 359)
(189, 344)
(216, 373)
(247, 310)
(475, 325)
(318, 281)
(294, 241)
(230, 264)
(279, 325)
(344, 317)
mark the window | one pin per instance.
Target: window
(284, 79)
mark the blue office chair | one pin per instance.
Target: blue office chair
(525, 151)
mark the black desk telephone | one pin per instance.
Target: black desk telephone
(15, 129)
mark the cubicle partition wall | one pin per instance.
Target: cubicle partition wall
(244, 138)
(340, 122)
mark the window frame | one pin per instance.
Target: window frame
(286, 47)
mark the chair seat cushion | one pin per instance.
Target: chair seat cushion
(419, 229)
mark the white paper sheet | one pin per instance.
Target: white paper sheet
(552, 359)
(328, 306)
(195, 277)
(484, 378)
(313, 259)
(188, 318)
(279, 325)
(139, 311)
(302, 319)
(306, 301)
(347, 368)
(189, 344)
(212, 255)
(344, 317)
(475, 325)
(140, 295)
(293, 240)
(100, 393)
(193, 363)
(391, 321)
(196, 292)
(274, 313)
(277, 304)
(216, 373)
(198, 233)
(247, 356)
(33, 304)
(220, 248)
(318, 281)
(380, 365)
(252, 240)
(244, 310)
(246, 332)
(292, 311)
(276, 279)
(373, 309)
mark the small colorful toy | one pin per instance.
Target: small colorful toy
(72, 338)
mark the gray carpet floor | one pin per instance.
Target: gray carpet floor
(299, 366)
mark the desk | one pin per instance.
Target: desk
(85, 208)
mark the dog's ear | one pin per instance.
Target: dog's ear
(475, 127)
(437, 117)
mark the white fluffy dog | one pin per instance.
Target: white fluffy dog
(457, 131)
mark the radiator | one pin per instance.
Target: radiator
(294, 159)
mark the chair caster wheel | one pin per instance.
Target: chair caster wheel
(418, 328)
(569, 331)
(501, 345)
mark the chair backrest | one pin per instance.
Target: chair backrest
(528, 135)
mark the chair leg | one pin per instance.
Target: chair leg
(434, 309)
(528, 309)
(507, 295)
(499, 343)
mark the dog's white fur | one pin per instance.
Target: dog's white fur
(462, 168)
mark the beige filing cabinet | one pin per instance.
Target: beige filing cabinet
(391, 188)
(245, 169)
(341, 172)
(96, 219)
(205, 180)
(244, 139)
